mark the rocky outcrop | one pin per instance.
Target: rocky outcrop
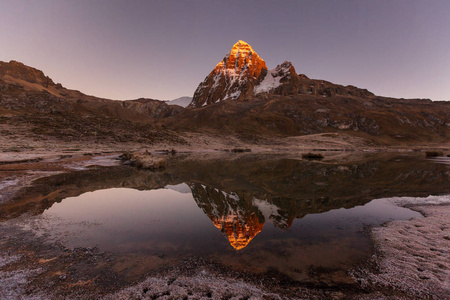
(144, 160)
(18, 70)
(233, 78)
(283, 80)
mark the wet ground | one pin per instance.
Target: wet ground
(282, 225)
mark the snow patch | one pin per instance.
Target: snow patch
(268, 210)
(272, 79)
(234, 95)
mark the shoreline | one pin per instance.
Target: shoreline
(411, 257)
(27, 258)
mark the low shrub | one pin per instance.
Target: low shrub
(312, 156)
(433, 153)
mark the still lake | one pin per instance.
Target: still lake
(306, 220)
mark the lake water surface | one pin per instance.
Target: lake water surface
(306, 220)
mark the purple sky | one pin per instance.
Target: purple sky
(164, 49)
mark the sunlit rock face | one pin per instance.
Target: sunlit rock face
(233, 78)
(239, 232)
(242, 74)
(234, 215)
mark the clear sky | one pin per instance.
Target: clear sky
(164, 49)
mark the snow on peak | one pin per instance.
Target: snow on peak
(273, 77)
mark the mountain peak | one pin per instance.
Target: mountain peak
(232, 78)
(241, 42)
(241, 59)
(242, 48)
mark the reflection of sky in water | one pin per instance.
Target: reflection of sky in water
(130, 218)
(169, 221)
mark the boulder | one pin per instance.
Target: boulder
(150, 162)
(143, 161)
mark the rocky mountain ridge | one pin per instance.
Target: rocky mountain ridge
(265, 104)
(241, 97)
(24, 87)
(243, 75)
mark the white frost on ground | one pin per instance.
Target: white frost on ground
(13, 283)
(16, 156)
(10, 186)
(7, 188)
(102, 161)
(200, 286)
(413, 256)
(8, 182)
(442, 160)
(430, 200)
(6, 260)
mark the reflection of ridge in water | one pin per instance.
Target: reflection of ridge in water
(234, 214)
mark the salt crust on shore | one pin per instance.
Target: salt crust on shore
(413, 257)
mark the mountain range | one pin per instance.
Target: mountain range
(241, 97)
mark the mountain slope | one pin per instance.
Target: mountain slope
(383, 121)
(261, 103)
(29, 98)
(25, 87)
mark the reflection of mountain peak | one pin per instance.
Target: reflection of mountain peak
(239, 232)
(272, 214)
(233, 213)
